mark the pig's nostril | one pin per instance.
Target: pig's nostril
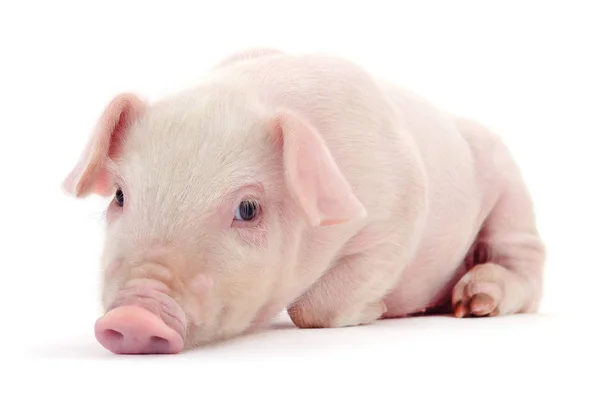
(157, 340)
(111, 334)
(159, 344)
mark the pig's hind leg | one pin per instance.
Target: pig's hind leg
(508, 280)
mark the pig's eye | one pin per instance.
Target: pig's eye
(119, 198)
(246, 211)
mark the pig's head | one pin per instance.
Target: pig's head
(210, 200)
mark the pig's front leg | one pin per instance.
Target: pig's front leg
(510, 279)
(351, 293)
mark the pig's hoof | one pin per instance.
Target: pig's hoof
(304, 316)
(479, 305)
(477, 295)
(361, 316)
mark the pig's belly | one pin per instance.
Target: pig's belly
(424, 288)
(426, 284)
(446, 252)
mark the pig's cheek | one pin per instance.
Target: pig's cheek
(201, 285)
(113, 212)
(254, 237)
(198, 303)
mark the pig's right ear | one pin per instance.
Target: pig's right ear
(89, 176)
(312, 175)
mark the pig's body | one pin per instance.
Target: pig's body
(411, 200)
(461, 194)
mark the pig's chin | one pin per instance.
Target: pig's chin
(142, 321)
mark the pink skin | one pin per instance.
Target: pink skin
(142, 319)
(131, 329)
(370, 203)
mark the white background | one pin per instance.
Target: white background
(530, 70)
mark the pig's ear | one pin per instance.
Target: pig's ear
(313, 178)
(90, 175)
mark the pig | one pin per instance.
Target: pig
(300, 183)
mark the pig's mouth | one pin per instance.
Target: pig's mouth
(142, 321)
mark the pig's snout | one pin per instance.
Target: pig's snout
(142, 320)
(131, 329)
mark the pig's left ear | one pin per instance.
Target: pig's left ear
(313, 178)
(90, 175)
